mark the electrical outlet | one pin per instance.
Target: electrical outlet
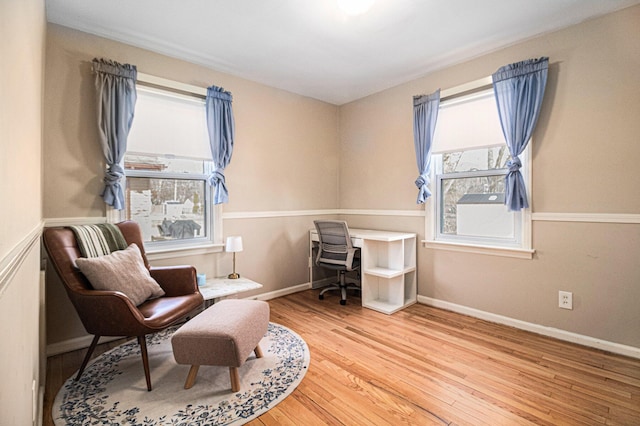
(565, 300)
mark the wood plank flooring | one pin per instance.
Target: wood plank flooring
(426, 366)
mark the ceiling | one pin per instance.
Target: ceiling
(312, 47)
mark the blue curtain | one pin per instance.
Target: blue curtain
(221, 128)
(425, 115)
(116, 90)
(519, 89)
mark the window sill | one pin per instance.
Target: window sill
(174, 252)
(479, 249)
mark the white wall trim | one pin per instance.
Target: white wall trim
(171, 84)
(282, 292)
(516, 253)
(84, 341)
(465, 87)
(539, 216)
(289, 213)
(76, 343)
(364, 212)
(587, 217)
(535, 328)
(10, 264)
(152, 255)
(174, 252)
(280, 213)
(68, 221)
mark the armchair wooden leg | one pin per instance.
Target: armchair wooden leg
(87, 357)
(235, 379)
(142, 341)
(258, 352)
(191, 377)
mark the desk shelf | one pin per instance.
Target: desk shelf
(384, 272)
(389, 273)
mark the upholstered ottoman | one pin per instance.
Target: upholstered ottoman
(224, 334)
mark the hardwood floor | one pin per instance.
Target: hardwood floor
(427, 366)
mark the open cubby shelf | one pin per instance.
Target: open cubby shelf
(388, 274)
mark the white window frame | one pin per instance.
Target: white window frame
(175, 248)
(519, 247)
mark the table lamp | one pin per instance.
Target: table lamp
(234, 244)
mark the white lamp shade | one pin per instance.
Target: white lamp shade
(234, 244)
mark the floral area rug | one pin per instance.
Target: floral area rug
(112, 390)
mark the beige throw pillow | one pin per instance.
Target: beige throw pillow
(124, 271)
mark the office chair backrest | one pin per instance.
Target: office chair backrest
(335, 244)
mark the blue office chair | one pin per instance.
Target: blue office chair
(336, 252)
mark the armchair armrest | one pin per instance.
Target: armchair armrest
(176, 280)
(102, 312)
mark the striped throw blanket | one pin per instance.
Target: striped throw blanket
(99, 240)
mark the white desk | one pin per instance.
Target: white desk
(388, 268)
(219, 288)
(358, 236)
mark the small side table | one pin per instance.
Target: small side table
(217, 289)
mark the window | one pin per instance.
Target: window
(470, 198)
(168, 197)
(167, 165)
(469, 164)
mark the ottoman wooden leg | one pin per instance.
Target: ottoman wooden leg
(258, 352)
(191, 377)
(235, 379)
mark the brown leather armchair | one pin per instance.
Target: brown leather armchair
(111, 313)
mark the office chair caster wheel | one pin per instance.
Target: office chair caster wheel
(321, 296)
(343, 302)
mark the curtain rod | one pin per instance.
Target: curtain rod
(171, 84)
(470, 86)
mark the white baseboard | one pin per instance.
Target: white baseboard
(283, 292)
(76, 343)
(84, 341)
(617, 348)
(40, 410)
(567, 336)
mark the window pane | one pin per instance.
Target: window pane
(167, 209)
(474, 206)
(492, 158)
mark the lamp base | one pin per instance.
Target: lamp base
(234, 276)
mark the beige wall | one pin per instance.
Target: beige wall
(285, 159)
(22, 32)
(585, 160)
(283, 144)
(294, 153)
